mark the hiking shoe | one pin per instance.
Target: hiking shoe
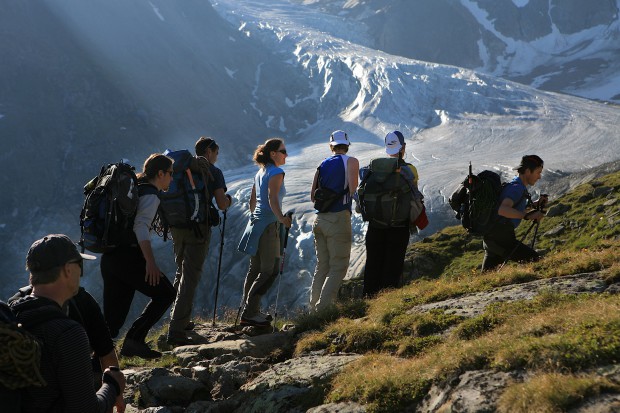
(134, 348)
(257, 320)
(176, 340)
(267, 316)
(190, 326)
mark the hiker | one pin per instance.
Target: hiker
(501, 243)
(386, 245)
(84, 309)
(191, 247)
(261, 239)
(132, 267)
(56, 267)
(332, 227)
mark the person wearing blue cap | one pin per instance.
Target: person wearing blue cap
(386, 246)
(332, 227)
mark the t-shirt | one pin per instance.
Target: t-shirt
(333, 175)
(263, 210)
(516, 191)
(217, 182)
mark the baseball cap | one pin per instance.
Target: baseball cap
(394, 141)
(339, 138)
(53, 250)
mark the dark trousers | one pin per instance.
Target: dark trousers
(124, 272)
(385, 258)
(498, 245)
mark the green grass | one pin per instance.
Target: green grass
(406, 351)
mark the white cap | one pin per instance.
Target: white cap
(339, 138)
(394, 141)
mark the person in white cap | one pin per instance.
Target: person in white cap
(386, 247)
(332, 226)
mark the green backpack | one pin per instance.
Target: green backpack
(386, 193)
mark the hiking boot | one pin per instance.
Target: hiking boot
(267, 316)
(258, 320)
(134, 348)
(176, 340)
(190, 326)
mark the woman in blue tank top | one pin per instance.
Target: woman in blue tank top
(261, 238)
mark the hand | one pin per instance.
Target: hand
(541, 203)
(534, 215)
(118, 376)
(287, 221)
(120, 404)
(153, 273)
(230, 200)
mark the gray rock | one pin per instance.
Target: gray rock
(260, 346)
(601, 191)
(472, 305)
(555, 231)
(610, 202)
(220, 406)
(172, 390)
(338, 408)
(227, 378)
(558, 209)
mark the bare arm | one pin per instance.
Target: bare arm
(315, 183)
(353, 168)
(275, 183)
(506, 210)
(223, 202)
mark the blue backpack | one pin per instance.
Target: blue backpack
(187, 202)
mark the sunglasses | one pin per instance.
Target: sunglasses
(282, 151)
(79, 262)
(169, 172)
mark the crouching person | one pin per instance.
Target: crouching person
(55, 267)
(501, 243)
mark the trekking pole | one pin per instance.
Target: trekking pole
(219, 268)
(275, 314)
(535, 233)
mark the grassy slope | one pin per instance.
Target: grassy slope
(405, 353)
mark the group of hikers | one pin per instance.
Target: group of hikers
(71, 327)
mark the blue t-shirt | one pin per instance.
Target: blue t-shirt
(333, 175)
(263, 210)
(517, 192)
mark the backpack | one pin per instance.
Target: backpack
(187, 202)
(476, 201)
(20, 357)
(386, 194)
(106, 220)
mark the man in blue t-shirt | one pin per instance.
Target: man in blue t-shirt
(501, 242)
(332, 227)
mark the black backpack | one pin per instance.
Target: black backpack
(476, 201)
(187, 202)
(385, 194)
(110, 206)
(20, 355)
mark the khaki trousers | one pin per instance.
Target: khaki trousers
(190, 253)
(332, 241)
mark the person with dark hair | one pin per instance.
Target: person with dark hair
(132, 267)
(332, 228)
(190, 249)
(56, 267)
(386, 247)
(261, 239)
(501, 243)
